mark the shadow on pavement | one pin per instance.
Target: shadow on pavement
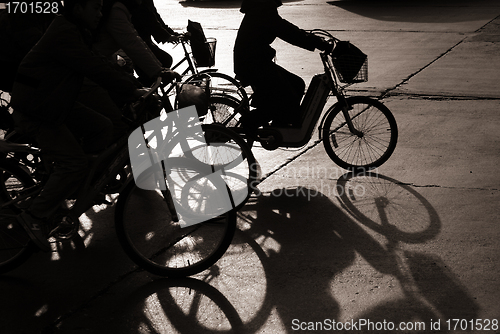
(411, 10)
(296, 257)
(219, 3)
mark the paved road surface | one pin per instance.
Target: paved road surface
(416, 244)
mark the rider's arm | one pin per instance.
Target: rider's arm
(120, 27)
(148, 22)
(77, 56)
(50, 76)
(292, 34)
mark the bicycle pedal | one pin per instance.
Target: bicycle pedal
(64, 230)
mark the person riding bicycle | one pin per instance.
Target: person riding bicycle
(117, 32)
(44, 99)
(277, 92)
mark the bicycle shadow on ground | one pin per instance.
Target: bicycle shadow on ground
(49, 285)
(299, 257)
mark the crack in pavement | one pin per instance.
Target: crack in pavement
(410, 184)
(388, 91)
(443, 97)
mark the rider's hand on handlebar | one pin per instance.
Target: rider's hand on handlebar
(174, 38)
(168, 75)
(328, 47)
(324, 45)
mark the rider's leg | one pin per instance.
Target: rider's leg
(277, 94)
(286, 97)
(97, 98)
(90, 132)
(164, 57)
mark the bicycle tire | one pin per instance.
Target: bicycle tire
(15, 245)
(227, 111)
(228, 152)
(163, 247)
(379, 134)
(157, 244)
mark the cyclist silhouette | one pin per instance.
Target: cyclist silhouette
(44, 98)
(277, 92)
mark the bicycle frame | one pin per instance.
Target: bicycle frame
(96, 180)
(321, 87)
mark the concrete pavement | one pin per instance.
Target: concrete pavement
(415, 244)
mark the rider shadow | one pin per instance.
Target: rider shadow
(319, 242)
(49, 284)
(403, 216)
(311, 261)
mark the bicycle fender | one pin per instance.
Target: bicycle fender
(328, 112)
(209, 70)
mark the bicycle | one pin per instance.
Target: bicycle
(358, 132)
(151, 250)
(220, 84)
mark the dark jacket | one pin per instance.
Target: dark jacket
(50, 76)
(118, 32)
(260, 27)
(19, 32)
(148, 22)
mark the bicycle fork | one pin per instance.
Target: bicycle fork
(345, 111)
(167, 195)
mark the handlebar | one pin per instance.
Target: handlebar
(326, 36)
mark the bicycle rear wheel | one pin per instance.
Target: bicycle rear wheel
(376, 141)
(15, 245)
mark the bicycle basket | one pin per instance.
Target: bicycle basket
(350, 63)
(203, 48)
(195, 93)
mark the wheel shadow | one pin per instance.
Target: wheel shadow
(300, 256)
(49, 285)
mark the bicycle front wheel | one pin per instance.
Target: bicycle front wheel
(371, 146)
(15, 244)
(163, 247)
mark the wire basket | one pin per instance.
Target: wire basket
(351, 69)
(204, 55)
(350, 63)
